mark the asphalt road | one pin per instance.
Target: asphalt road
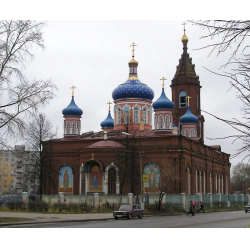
(230, 219)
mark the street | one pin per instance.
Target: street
(229, 219)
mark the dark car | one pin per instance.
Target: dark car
(129, 211)
(247, 207)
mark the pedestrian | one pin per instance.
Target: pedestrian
(193, 203)
(191, 209)
(201, 207)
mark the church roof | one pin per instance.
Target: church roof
(106, 144)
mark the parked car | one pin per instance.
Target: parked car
(129, 211)
(247, 207)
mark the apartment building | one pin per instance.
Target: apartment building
(18, 171)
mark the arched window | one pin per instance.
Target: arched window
(204, 182)
(131, 69)
(73, 128)
(126, 115)
(216, 190)
(196, 181)
(186, 132)
(219, 183)
(68, 128)
(135, 69)
(144, 113)
(167, 122)
(155, 121)
(222, 184)
(182, 99)
(226, 185)
(200, 185)
(160, 122)
(150, 116)
(119, 116)
(111, 181)
(192, 132)
(210, 183)
(79, 128)
(136, 115)
(188, 182)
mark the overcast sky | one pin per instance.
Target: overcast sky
(94, 56)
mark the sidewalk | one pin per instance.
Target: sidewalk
(43, 218)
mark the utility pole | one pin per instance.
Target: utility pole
(141, 174)
(141, 170)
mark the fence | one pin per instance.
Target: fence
(113, 201)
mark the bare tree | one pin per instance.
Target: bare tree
(168, 175)
(234, 36)
(240, 178)
(126, 159)
(19, 95)
(39, 129)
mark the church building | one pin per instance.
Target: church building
(145, 147)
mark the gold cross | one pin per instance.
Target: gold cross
(163, 81)
(133, 45)
(93, 156)
(188, 98)
(73, 87)
(109, 104)
(184, 25)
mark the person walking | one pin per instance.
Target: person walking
(191, 209)
(193, 203)
(201, 207)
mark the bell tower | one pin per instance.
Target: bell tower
(186, 83)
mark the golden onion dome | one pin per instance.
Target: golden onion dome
(184, 38)
(133, 61)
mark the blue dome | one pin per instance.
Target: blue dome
(133, 89)
(163, 102)
(188, 117)
(72, 109)
(108, 122)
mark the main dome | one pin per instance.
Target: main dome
(133, 88)
(72, 109)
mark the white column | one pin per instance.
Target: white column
(242, 198)
(25, 199)
(211, 199)
(96, 200)
(61, 197)
(183, 200)
(130, 198)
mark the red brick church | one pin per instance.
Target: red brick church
(147, 146)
